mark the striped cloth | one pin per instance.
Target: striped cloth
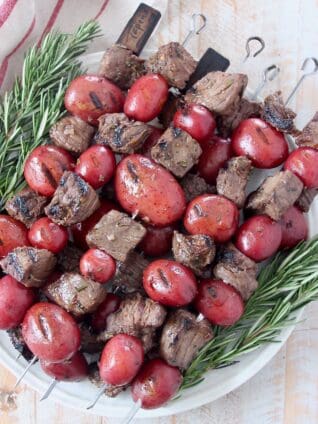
(25, 22)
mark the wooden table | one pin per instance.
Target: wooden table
(286, 390)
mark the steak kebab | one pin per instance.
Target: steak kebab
(179, 190)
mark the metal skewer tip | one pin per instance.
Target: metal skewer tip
(198, 23)
(49, 389)
(309, 61)
(34, 359)
(98, 396)
(132, 413)
(248, 48)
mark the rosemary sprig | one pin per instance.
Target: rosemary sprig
(36, 100)
(289, 282)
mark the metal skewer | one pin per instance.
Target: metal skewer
(269, 74)
(98, 396)
(32, 362)
(307, 61)
(248, 48)
(132, 413)
(198, 23)
(49, 389)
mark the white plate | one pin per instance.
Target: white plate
(216, 384)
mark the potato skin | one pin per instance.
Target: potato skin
(146, 189)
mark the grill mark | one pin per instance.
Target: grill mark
(198, 210)
(44, 327)
(95, 99)
(48, 174)
(132, 171)
(262, 135)
(117, 138)
(163, 277)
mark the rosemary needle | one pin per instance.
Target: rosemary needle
(36, 101)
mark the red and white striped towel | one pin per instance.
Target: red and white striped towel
(25, 22)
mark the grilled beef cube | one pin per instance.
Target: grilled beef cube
(232, 180)
(276, 194)
(219, 91)
(236, 269)
(177, 151)
(193, 186)
(128, 277)
(89, 342)
(15, 336)
(94, 378)
(309, 135)
(195, 251)
(278, 115)
(169, 109)
(29, 265)
(121, 66)
(68, 259)
(117, 234)
(76, 294)
(306, 198)
(174, 63)
(244, 109)
(121, 134)
(74, 200)
(182, 337)
(72, 134)
(26, 206)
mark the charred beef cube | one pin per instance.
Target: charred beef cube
(74, 200)
(121, 134)
(26, 206)
(174, 63)
(128, 277)
(231, 181)
(15, 336)
(121, 66)
(306, 198)
(94, 378)
(220, 92)
(72, 134)
(276, 194)
(68, 259)
(244, 109)
(193, 186)
(89, 342)
(195, 251)
(309, 135)
(177, 151)
(182, 337)
(236, 269)
(117, 234)
(76, 294)
(169, 109)
(278, 115)
(29, 265)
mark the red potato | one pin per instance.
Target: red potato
(74, 369)
(219, 302)
(96, 165)
(151, 141)
(15, 300)
(157, 241)
(170, 283)
(215, 154)
(303, 162)
(121, 360)
(50, 332)
(80, 230)
(260, 142)
(156, 383)
(259, 237)
(91, 96)
(44, 168)
(212, 215)
(12, 234)
(146, 98)
(148, 190)
(45, 234)
(107, 307)
(294, 227)
(97, 265)
(197, 121)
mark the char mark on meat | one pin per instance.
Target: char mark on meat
(182, 337)
(232, 180)
(236, 269)
(26, 206)
(309, 135)
(174, 63)
(194, 185)
(276, 194)
(196, 251)
(306, 198)
(29, 265)
(74, 200)
(121, 134)
(117, 234)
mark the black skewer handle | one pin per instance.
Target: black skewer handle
(139, 28)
